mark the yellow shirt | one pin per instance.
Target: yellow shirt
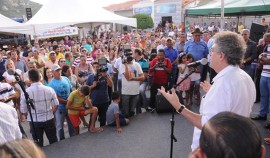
(39, 61)
(240, 28)
(60, 55)
(76, 101)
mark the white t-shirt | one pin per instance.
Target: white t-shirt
(117, 64)
(5, 91)
(233, 90)
(185, 72)
(11, 78)
(9, 124)
(131, 87)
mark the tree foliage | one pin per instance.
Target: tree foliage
(144, 21)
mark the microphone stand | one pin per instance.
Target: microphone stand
(173, 138)
(29, 103)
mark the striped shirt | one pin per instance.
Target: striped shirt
(266, 68)
(77, 61)
(44, 98)
(9, 125)
(6, 90)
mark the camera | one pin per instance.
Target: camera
(82, 74)
(103, 69)
(160, 64)
(127, 56)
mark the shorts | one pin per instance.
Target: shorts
(122, 120)
(75, 119)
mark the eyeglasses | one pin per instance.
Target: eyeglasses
(62, 61)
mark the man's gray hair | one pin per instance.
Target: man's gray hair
(232, 45)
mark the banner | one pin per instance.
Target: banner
(144, 10)
(63, 31)
(165, 8)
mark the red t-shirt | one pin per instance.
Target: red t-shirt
(160, 76)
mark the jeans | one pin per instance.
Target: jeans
(60, 116)
(129, 103)
(102, 109)
(248, 69)
(265, 92)
(143, 87)
(40, 127)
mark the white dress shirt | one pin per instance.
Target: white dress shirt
(233, 90)
(44, 98)
(9, 125)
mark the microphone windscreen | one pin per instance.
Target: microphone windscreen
(204, 61)
(11, 71)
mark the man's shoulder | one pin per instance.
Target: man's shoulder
(252, 43)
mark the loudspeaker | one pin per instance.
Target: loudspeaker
(162, 105)
(257, 31)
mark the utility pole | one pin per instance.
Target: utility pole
(222, 15)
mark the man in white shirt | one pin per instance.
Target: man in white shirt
(233, 90)
(9, 129)
(132, 75)
(162, 44)
(46, 103)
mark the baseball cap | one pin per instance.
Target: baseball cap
(52, 52)
(56, 67)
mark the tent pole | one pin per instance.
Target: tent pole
(237, 23)
(222, 15)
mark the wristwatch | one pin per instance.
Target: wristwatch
(181, 109)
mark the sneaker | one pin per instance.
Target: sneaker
(148, 109)
(258, 117)
(267, 125)
(267, 140)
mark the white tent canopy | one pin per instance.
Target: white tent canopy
(9, 25)
(69, 12)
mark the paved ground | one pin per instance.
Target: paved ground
(147, 136)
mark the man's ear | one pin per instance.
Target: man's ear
(263, 150)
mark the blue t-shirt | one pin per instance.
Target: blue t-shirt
(99, 95)
(62, 89)
(171, 54)
(88, 47)
(198, 50)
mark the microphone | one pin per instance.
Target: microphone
(13, 72)
(203, 61)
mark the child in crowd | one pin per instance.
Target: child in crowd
(113, 116)
(183, 71)
(195, 82)
(76, 109)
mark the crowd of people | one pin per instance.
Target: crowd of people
(107, 76)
